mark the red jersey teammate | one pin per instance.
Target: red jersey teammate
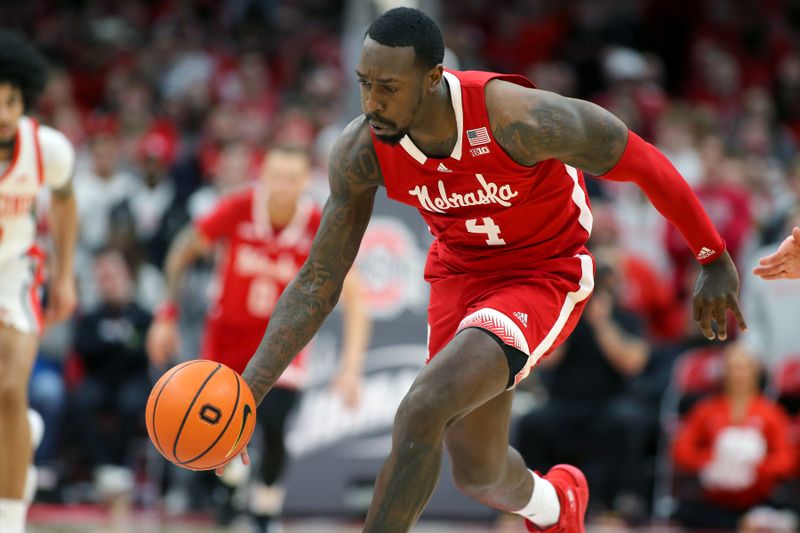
(32, 157)
(492, 164)
(263, 235)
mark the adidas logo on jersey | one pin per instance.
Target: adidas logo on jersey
(705, 253)
(442, 168)
(522, 317)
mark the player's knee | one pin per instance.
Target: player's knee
(475, 481)
(421, 414)
(13, 395)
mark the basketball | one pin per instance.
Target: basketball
(200, 414)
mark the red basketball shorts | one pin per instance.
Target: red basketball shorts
(530, 310)
(234, 347)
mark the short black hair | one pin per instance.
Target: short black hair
(22, 66)
(405, 26)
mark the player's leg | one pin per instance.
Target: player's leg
(484, 466)
(468, 372)
(266, 498)
(490, 471)
(487, 469)
(17, 353)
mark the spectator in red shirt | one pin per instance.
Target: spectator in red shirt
(737, 443)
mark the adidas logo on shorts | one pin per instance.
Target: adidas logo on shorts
(522, 317)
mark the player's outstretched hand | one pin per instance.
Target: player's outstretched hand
(61, 301)
(716, 292)
(245, 459)
(784, 263)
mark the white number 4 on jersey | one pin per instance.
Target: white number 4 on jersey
(489, 228)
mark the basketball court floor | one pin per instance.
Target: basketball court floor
(313, 527)
(94, 519)
(87, 519)
(309, 527)
(305, 527)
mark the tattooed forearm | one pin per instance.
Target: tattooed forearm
(312, 295)
(545, 125)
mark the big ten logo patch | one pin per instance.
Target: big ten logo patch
(481, 150)
(390, 262)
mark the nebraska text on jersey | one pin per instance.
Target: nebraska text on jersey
(489, 193)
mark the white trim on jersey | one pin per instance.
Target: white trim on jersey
(428, 342)
(458, 107)
(502, 322)
(585, 218)
(585, 288)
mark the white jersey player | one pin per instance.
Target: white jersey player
(31, 157)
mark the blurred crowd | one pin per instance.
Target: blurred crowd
(171, 103)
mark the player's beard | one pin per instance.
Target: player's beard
(396, 137)
(392, 139)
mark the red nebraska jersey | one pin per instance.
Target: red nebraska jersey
(487, 212)
(254, 266)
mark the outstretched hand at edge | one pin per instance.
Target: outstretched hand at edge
(784, 263)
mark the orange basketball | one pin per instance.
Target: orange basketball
(200, 414)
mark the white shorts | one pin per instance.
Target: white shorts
(20, 299)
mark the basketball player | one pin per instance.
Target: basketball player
(785, 262)
(264, 235)
(494, 167)
(31, 157)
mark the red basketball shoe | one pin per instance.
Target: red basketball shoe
(573, 495)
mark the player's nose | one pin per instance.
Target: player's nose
(372, 105)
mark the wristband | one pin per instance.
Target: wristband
(166, 311)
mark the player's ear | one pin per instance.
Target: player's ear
(433, 78)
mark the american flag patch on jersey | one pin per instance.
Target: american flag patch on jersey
(478, 136)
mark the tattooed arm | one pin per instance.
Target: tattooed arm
(533, 125)
(354, 178)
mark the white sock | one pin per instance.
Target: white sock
(544, 507)
(12, 516)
